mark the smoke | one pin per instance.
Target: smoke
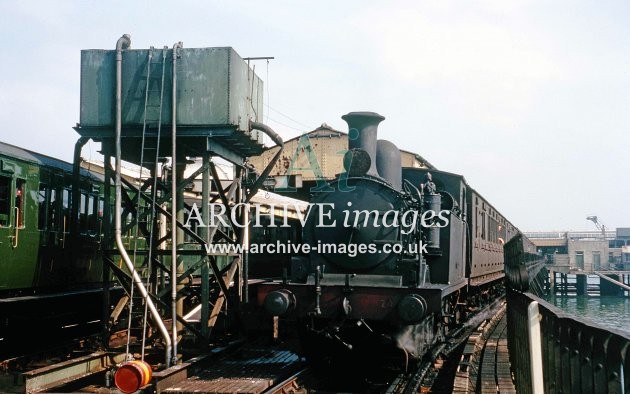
(414, 339)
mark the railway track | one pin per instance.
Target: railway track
(265, 368)
(484, 364)
(437, 373)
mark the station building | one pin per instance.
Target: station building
(585, 250)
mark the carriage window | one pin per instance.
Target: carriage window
(66, 209)
(20, 196)
(53, 215)
(493, 230)
(5, 203)
(101, 208)
(82, 213)
(91, 214)
(41, 205)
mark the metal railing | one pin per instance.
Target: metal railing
(569, 234)
(576, 356)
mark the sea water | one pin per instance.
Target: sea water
(608, 311)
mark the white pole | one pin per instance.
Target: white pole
(535, 348)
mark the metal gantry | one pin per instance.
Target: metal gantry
(160, 261)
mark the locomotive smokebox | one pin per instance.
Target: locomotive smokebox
(362, 134)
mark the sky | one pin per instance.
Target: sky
(528, 100)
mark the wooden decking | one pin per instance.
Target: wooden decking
(251, 371)
(485, 365)
(496, 376)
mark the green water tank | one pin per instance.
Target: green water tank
(215, 88)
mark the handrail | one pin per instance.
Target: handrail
(577, 355)
(16, 230)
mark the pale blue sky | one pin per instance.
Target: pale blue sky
(529, 100)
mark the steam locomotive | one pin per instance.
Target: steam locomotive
(398, 257)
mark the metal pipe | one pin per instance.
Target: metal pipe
(174, 202)
(123, 43)
(245, 272)
(204, 233)
(275, 138)
(76, 189)
(278, 140)
(318, 291)
(106, 225)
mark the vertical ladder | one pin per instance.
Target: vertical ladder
(153, 104)
(150, 146)
(149, 159)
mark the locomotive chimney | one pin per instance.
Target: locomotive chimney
(362, 131)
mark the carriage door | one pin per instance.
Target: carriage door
(12, 203)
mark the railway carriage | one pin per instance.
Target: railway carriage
(50, 265)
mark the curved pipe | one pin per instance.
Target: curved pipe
(123, 43)
(76, 187)
(174, 230)
(275, 138)
(278, 140)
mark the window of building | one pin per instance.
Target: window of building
(579, 259)
(597, 262)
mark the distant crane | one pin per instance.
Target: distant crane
(600, 226)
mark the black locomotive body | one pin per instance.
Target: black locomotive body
(397, 258)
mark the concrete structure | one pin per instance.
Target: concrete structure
(588, 254)
(625, 258)
(609, 244)
(574, 256)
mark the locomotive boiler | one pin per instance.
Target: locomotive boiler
(386, 275)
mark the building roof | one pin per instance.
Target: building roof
(326, 131)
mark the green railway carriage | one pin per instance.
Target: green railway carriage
(38, 253)
(51, 265)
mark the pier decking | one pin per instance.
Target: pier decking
(485, 364)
